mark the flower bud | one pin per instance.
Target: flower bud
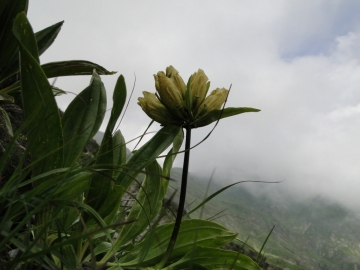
(174, 76)
(186, 105)
(213, 102)
(155, 109)
(170, 94)
(199, 88)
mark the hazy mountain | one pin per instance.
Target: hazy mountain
(312, 234)
(316, 234)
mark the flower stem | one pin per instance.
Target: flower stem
(181, 201)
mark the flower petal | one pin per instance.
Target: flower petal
(213, 102)
(170, 95)
(174, 76)
(155, 109)
(198, 86)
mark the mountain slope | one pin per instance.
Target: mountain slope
(316, 234)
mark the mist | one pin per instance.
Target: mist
(297, 62)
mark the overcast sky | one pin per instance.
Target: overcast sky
(297, 61)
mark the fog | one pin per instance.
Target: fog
(296, 61)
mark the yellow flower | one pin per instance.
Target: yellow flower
(186, 105)
(213, 102)
(170, 94)
(174, 76)
(155, 109)
(199, 88)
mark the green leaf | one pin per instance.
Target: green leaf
(9, 151)
(8, 43)
(146, 154)
(146, 207)
(44, 39)
(101, 184)
(4, 98)
(7, 123)
(170, 157)
(46, 134)
(119, 98)
(213, 258)
(73, 67)
(263, 245)
(83, 118)
(75, 186)
(211, 197)
(47, 36)
(110, 206)
(192, 233)
(119, 152)
(16, 88)
(102, 247)
(25, 35)
(216, 115)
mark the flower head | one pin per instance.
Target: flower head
(180, 104)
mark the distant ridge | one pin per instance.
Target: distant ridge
(312, 234)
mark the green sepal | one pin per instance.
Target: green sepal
(216, 115)
(188, 99)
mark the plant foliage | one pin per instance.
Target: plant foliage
(72, 216)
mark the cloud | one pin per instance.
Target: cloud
(297, 62)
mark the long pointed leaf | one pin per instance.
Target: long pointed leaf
(47, 36)
(8, 43)
(205, 233)
(147, 153)
(212, 196)
(101, 185)
(73, 67)
(170, 158)
(83, 118)
(44, 39)
(46, 135)
(119, 98)
(213, 258)
(215, 115)
(147, 206)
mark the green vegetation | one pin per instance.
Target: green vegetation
(58, 213)
(312, 234)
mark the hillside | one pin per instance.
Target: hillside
(316, 234)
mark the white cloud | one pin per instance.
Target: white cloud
(297, 62)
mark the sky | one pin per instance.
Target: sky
(297, 61)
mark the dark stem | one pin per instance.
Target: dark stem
(182, 199)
